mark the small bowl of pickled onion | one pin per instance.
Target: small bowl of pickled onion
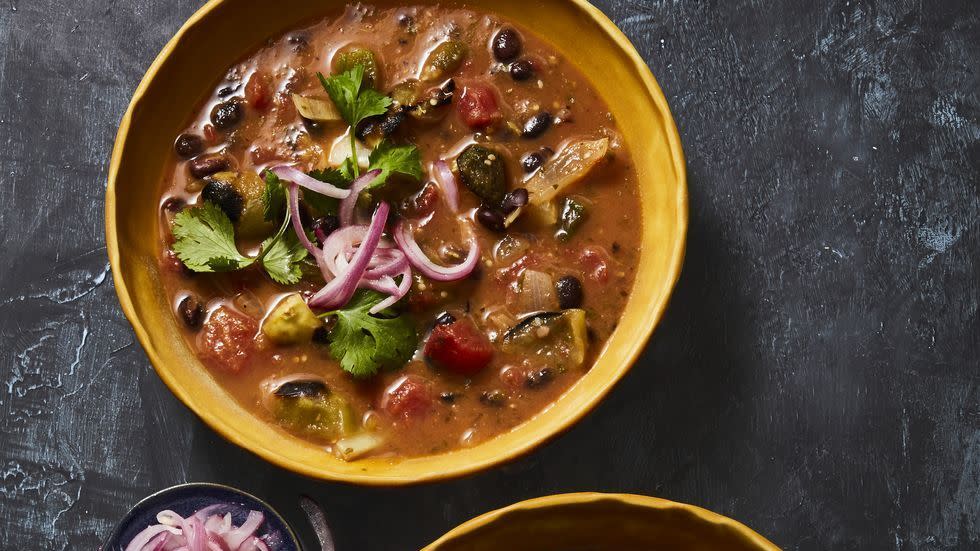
(202, 517)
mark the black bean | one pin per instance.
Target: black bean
(537, 125)
(449, 86)
(173, 205)
(495, 398)
(191, 311)
(206, 165)
(507, 44)
(300, 42)
(188, 145)
(521, 70)
(448, 397)
(302, 389)
(406, 20)
(532, 161)
(539, 378)
(514, 200)
(491, 219)
(445, 318)
(226, 197)
(322, 227)
(569, 290)
(391, 122)
(226, 115)
(321, 336)
(367, 126)
(227, 91)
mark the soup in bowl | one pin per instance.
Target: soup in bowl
(394, 242)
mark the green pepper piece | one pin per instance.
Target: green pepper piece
(444, 60)
(482, 171)
(572, 215)
(352, 56)
(327, 417)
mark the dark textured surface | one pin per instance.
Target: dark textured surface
(816, 375)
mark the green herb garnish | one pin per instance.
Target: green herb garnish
(205, 239)
(391, 158)
(365, 343)
(354, 101)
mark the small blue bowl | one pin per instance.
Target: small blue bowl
(185, 499)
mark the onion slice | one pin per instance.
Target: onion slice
(340, 289)
(403, 287)
(296, 176)
(447, 182)
(348, 203)
(298, 223)
(416, 257)
(204, 530)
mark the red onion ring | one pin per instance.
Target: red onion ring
(142, 540)
(236, 537)
(447, 182)
(403, 287)
(416, 257)
(296, 176)
(159, 542)
(338, 291)
(297, 222)
(346, 212)
(201, 531)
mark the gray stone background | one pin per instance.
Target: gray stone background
(816, 375)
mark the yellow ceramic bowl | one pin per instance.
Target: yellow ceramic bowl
(223, 31)
(598, 522)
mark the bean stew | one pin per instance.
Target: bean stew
(399, 231)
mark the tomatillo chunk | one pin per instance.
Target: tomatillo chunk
(352, 56)
(323, 415)
(291, 321)
(444, 60)
(482, 171)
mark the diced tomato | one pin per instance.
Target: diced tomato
(477, 106)
(595, 263)
(407, 398)
(258, 91)
(422, 203)
(228, 339)
(459, 347)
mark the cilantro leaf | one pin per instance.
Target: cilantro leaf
(321, 203)
(348, 170)
(205, 240)
(273, 196)
(363, 343)
(282, 258)
(353, 100)
(391, 158)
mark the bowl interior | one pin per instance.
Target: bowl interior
(186, 71)
(596, 522)
(185, 499)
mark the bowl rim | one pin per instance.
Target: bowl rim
(653, 318)
(121, 524)
(561, 500)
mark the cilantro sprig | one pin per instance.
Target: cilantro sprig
(204, 239)
(364, 343)
(354, 101)
(391, 158)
